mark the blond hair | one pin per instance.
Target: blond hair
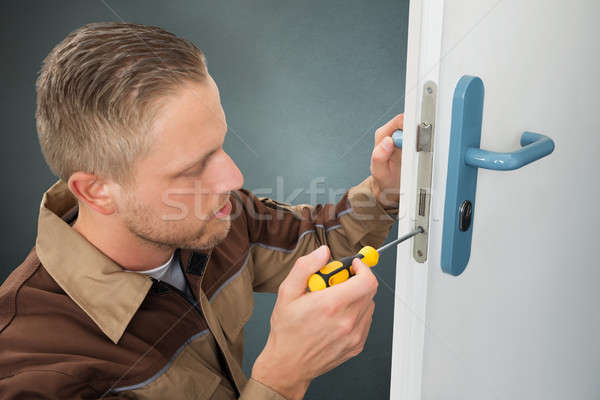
(99, 90)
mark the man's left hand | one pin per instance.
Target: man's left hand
(386, 161)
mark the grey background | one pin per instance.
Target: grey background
(304, 85)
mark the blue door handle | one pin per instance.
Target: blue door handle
(397, 137)
(464, 159)
(534, 147)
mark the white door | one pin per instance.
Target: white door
(523, 319)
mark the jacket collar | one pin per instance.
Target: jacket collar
(109, 295)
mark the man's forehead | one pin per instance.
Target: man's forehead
(189, 106)
(190, 120)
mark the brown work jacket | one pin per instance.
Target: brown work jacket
(75, 325)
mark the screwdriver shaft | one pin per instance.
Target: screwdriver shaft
(400, 239)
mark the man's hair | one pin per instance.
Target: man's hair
(98, 93)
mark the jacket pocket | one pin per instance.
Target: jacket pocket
(223, 393)
(185, 377)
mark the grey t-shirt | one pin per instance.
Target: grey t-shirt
(171, 273)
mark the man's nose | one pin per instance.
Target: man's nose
(234, 179)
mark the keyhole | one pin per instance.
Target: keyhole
(465, 214)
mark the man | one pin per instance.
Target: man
(148, 249)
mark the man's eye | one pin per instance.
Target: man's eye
(198, 170)
(195, 172)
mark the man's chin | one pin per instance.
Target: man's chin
(213, 239)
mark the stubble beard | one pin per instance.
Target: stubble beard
(143, 222)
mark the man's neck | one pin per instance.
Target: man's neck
(121, 245)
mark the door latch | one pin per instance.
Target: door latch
(424, 147)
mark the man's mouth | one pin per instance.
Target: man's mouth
(224, 211)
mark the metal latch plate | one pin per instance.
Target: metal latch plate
(425, 141)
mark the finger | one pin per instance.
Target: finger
(396, 157)
(295, 283)
(363, 324)
(360, 309)
(355, 340)
(382, 153)
(358, 287)
(389, 128)
(366, 278)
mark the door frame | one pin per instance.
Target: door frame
(410, 298)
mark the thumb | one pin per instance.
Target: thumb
(359, 267)
(296, 282)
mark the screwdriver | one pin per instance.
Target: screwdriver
(339, 271)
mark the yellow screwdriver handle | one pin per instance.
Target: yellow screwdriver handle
(340, 270)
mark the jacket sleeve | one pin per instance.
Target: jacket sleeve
(280, 233)
(254, 390)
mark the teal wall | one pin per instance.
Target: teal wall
(304, 85)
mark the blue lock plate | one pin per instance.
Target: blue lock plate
(461, 182)
(464, 159)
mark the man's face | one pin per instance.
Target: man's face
(186, 178)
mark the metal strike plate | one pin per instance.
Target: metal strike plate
(425, 141)
(424, 132)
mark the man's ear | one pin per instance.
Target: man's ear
(93, 191)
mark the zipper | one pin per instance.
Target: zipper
(205, 266)
(195, 304)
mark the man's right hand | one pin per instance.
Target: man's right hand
(314, 332)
